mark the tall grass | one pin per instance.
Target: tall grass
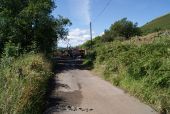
(23, 83)
(143, 70)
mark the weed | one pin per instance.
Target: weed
(23, 84)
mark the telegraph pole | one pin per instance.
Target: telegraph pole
(91, 35)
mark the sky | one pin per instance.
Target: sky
(81, 12)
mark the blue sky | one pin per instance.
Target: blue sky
(81, 12)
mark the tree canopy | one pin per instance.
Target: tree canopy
(122, 28)
(29, 22)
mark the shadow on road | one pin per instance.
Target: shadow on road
(58, 104)
(61, 65)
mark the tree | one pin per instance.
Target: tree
(106, 37)
(121, 28)
(29, 22)
(125, 28)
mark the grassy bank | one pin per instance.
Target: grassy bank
(23, 82)
(142, 70)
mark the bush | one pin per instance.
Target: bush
(23, 84)
(11, 50)
(89, 58)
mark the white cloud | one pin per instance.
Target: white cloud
(81, 10)
(76, 37)
(101, 34)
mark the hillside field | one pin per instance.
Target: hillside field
(161, 23)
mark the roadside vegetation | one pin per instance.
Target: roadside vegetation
(23, 83)
(140, 65)
(28, 34)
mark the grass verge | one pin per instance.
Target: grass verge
(23, 83)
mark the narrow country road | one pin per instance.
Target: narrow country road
(77, 91)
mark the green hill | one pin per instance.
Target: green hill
(161, 23)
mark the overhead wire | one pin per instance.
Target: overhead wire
(102, 11)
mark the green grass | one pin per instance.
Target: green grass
(143, 70)
(161, 23)
(23, 83)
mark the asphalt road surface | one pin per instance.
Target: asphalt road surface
(78, 91)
